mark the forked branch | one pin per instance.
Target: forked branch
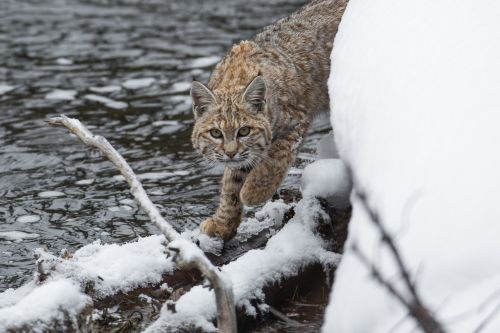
(187, 254)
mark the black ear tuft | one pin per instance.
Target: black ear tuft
(255, 94)
(202, 98)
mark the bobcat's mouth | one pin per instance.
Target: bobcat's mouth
(235, 162)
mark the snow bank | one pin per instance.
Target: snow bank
(415, 99)
(294, 247)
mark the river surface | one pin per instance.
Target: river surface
(123, 67)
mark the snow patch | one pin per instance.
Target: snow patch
(41, 306)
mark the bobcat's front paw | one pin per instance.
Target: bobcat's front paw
(214, 227)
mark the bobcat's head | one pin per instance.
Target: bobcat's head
(231, 127)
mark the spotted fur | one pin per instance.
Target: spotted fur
(272, 87)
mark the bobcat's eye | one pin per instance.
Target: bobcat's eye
(244, 131)
(216, 133)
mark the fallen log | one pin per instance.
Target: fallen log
(130, 308)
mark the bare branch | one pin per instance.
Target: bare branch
(188, 254)
(414, 304)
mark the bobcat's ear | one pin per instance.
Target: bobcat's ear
(255, 94)
(202, 98)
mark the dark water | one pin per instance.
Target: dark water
(49, 45)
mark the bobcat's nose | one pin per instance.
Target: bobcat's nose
(230, 149)
(230, 154)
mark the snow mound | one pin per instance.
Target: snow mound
(38, 308)
(415, 110)
(99, 269)
(328, 179)
(111, 268)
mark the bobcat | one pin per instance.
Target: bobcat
(258, 104)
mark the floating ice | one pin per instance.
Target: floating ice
(85, 181)
(60, 94)
(28, 219)
(5, 88)
(156, 175)
(138, 83)
(119, 208)
(105, 89)
(106, 101)
(180, 87)
(51, 194)
(64, 61)
(165, 123)
(17, 236)
(204, 62)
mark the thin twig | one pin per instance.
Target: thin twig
(414, 304)
(188, 255)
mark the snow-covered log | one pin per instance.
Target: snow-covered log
(99, 275)
(415, 109)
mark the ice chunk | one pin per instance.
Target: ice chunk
(204, 62)
(64, 61)
(156, 175)
(105, 89)
(17, 236)
(60, 94)
(28, 219)
(51, 194)
(180, 87)
(5, 88)
(138, 83)
(85, 181)
(106, 101)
